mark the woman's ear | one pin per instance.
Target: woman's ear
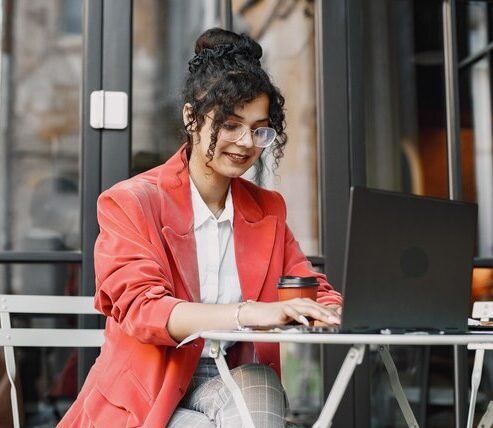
(187, 114)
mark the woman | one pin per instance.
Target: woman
(190, 246)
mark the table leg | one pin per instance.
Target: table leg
(353, 358)
(397, 387)
(216, 353)
(475, 381)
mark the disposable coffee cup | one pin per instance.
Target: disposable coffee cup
(291, 287)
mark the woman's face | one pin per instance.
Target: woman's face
(232, 159)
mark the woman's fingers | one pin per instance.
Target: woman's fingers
(309, 308)
(292, 312)
(299, 310)
(336, 308)
(303, 320)
(322, 313)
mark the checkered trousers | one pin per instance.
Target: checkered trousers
(209, 404)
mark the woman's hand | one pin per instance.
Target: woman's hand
(259, 314)
(338, 311)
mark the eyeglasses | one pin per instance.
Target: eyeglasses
(233, 131)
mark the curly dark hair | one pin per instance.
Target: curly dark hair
(226, 73)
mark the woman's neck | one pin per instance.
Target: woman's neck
(212, 187)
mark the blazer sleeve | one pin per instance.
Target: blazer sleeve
(133, 280)
(296, 264)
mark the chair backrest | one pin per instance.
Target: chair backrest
(41, 337)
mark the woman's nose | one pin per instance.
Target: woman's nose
(246, 140)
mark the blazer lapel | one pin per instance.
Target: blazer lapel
(254, 236)
(254, 232)
(177, 216)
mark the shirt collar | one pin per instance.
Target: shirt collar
(202, 213)
(228, 213)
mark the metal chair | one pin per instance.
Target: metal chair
(484, 312)
(42, 337)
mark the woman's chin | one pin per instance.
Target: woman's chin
(233, 171)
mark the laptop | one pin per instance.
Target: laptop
(408, 263)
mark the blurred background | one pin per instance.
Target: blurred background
(366, 103)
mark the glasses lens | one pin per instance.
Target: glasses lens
(232, 131)
(264, 136)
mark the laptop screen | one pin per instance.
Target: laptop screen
(408, 263)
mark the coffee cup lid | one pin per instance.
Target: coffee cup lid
(297, 281)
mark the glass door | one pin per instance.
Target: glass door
(53, 166)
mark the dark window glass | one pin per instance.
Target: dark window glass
(405, 132)
(474, 34)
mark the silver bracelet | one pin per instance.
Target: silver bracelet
(237, 314)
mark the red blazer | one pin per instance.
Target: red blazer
(146, 263)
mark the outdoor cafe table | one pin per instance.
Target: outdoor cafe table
(354, 356)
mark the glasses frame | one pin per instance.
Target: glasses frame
(245, 129)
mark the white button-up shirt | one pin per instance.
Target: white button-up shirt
(218, 275)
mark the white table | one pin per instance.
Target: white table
(354, 357)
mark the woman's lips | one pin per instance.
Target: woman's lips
(237, 158)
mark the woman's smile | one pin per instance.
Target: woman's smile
(237, 158)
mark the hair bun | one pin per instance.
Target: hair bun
(222, 48)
